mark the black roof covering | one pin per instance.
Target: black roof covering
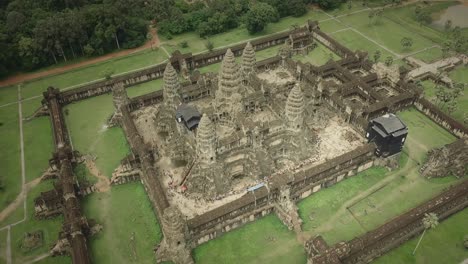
(189, 114)
(390, 124)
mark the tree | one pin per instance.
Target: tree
(149, 37)
(183, 44)
(452, 106)
(406, 42)
(107, 73)
(258, 17)
(377, 55)
(209, 45)
(389, 61)
(448, 25)
(430, 221)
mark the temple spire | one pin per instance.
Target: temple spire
(295, 108)
(229, 75)
(206, 148)
(171, 86)
(248, 59)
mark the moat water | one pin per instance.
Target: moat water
(458, 14)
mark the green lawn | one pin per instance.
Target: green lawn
(86, 121)
(3, 238)
(84, 74)
(430, 55)
(8, 94)
(124, 211)
(144, 88)
(354, 41)
(38, 146)
(386, 32)
(50, 228)
(444, 244)
(240, 34)
(10, 167)
(328, 211)
(330, 26)
(459, 75)
(318, 56)
(404, 16)
(252, 244)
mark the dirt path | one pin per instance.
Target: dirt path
(19, 199)
(103, 184)
(22, 77)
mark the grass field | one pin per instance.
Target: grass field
(3, 246)
(144, 88)
(354, 41)
(10, 173)
(459, 75)
(125, 212)
(251, 244)
(50, 228)
(318, 56)
(329, 211)
(386, 32)
(430, 55)
(444, 244)
(38, 146)
(240, 34)
(91, 136)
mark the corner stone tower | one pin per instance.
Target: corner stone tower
(171, 86)
(248, 60)
(295, 109)
(174, 247)
(206, 148)
(120, 99)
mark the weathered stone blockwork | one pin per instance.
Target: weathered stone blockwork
(375, 243)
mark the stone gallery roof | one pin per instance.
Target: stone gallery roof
(390, 124)
(189, 114)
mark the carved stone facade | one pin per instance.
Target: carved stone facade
(451, 159)
(174, 247)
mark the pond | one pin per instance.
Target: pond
(458, 14)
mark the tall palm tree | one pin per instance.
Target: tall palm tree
(430, 221)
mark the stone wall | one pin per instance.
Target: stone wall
(260, 202)
(375, 243)
(441, 118)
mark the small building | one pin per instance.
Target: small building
(188, 115)
(389, 133)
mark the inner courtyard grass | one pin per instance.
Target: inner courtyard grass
(91, 135)
(130, 228)
(343, 211)
(318, 56)
(458, 75)
(144, 88)
(266, 240)
(444, 244)
(10, 166)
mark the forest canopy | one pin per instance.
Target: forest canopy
(37, 33)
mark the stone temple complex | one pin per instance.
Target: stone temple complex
(215, 151)
(251, 127)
